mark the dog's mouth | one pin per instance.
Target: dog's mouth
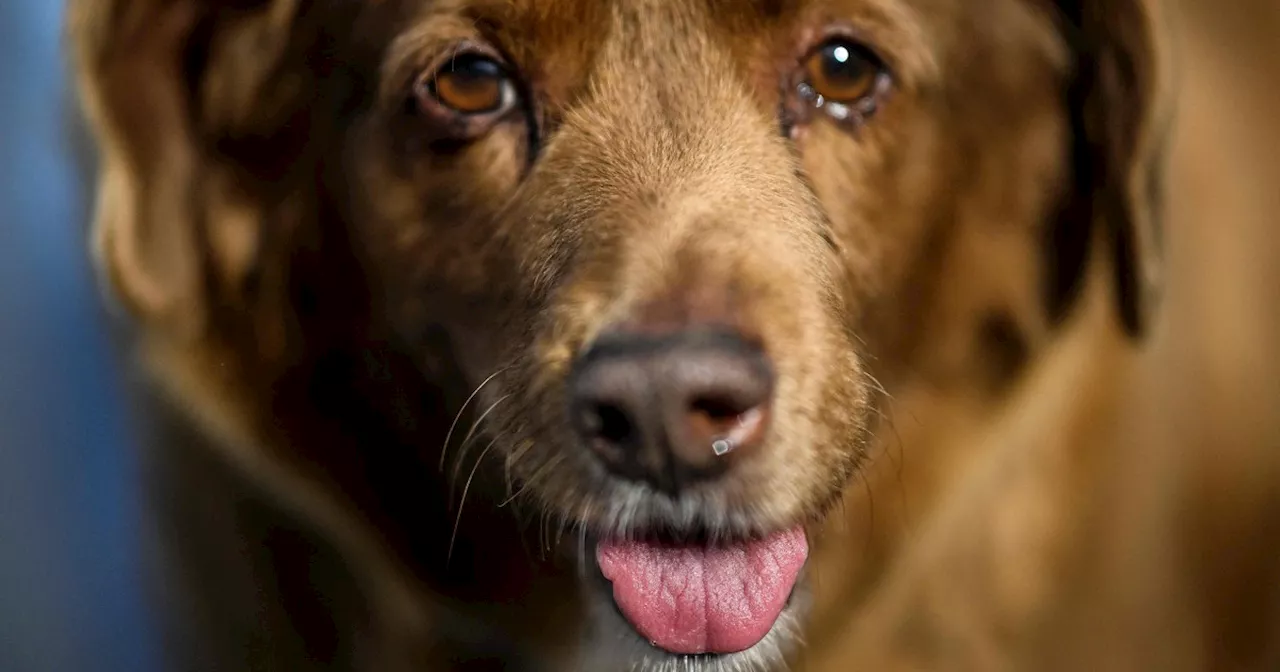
(689, 597)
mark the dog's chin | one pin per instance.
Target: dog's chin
(693, 583)
(615, 644)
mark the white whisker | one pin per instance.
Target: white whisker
(462, 504)
(444, 449)
(467, 442)
(537, 475)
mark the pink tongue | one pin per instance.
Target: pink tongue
(697, 599)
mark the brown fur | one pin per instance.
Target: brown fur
(1015, 445)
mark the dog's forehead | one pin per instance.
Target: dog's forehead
(560, 43)
(546, 22)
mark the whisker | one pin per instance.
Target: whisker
(462, 504)
(563, 527)
(877, 385)
(890, 419)
(583, 517)
(898, 466)
(512, 458)
(871, 512)
(544, 534)
(444, 449)
(537, 475)
(468, 441)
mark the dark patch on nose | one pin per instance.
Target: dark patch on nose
(671, 409)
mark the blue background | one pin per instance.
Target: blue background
(69, 514)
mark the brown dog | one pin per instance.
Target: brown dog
(664, 335)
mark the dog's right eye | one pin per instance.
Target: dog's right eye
(472, 84)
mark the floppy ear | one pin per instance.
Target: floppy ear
(1119, 106)
(143, 73)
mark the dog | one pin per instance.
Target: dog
(674, 335)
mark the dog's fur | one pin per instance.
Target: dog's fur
(1010, 452)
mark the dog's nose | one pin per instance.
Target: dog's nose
(672, 409)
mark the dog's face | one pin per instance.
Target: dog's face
(674, 247)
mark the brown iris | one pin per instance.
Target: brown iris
(842, 72)
(472, 84)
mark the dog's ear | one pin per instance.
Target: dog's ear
(1119, 104)
(142, 68)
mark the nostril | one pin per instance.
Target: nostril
(719, 416)
(608, 423)
(725, 423)
(720, 409)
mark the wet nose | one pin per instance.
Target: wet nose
(671, 409)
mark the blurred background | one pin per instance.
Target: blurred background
(69, 573)
(70, 597)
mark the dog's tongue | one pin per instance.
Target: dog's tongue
(699, 599)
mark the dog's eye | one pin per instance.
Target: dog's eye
(468, 84)
(841, 72)
(472, 84)
(844, 79)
